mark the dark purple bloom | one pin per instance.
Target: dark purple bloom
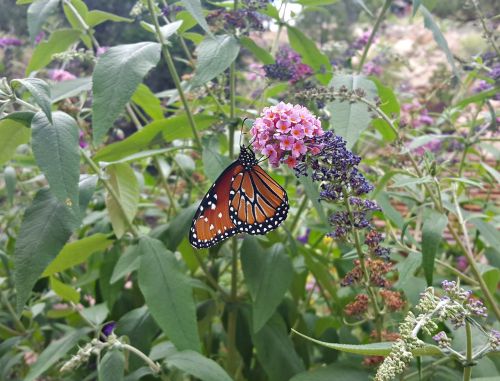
(288, 66)
(108, 328)
(305, 237)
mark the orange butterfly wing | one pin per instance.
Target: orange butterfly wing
(258, 204)
(211, 223)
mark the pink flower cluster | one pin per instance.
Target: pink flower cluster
(284, 133)
(60, 75)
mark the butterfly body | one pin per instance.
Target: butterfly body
(243, 199)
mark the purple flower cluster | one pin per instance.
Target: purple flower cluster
(288, 66)
(172, 9)
(357, 45)
(10, 41)
(442, 340)
(494, 339)
(245, 18)
(471, 306)
(336, 168)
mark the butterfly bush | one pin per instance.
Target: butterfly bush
(285, 133)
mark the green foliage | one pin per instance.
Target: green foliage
(432, 232)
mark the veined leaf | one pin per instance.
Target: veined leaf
(372, 349)
(96, 17)
(262, 54)
(47, 225)
(40, 91)
(197, 365)
(116, 76)
(58, 42)
(168, 294)
(350, 119)
(129, 261)
(126, 186)
(69, 88)
(268, 274)
(432, 233)
(145, 98)
(64, 291)
(349, 372)
(215, 54)
(55, 145)
(112, 366)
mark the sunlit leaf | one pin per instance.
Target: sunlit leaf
(64, 291)
(12, 135)
(432, 234)
(195, 9)
(40, 91)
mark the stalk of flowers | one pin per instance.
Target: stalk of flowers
(456, 306)
(293, 135)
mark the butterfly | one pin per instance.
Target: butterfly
(243, 199)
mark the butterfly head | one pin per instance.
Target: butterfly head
(247, 157)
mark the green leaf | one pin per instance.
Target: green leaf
(59, 41)
(70, 88)
(128, 262)
(198, 366)
(276, 352)
(268, 274)
(77, 252)
(491, 276)
(389, 105)
(64, 291)
(116, 76)
(430, 24)
(12, 135)
(82, 9)
(415, 5)
(195, 9)
(331, 372)
(372, 349)
(260, 53)
(166, 30)
(213, 162)
(178, 228)
(349, 120)
(492, 171)
(312, 194)
(432, 233)
(47, 225)
(56, 150)
(96, 314)
(38, 12)
(145, 98)
(215, 54)
(22, 117)
(489, 233)
(96, 17)
(40, 91)
(55, 350)
(112, 366)
(124, 182)
(316, 3)
(168, 294)
(168, 129)
(86, 186)
(310, 54)
(188, 22)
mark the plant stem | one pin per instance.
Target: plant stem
(17, 322)
(82, 22)
(468, 366)
(209, 276)
(111, 191)
(232, 355)
(152, 365)
(296, 220)
(488, 34)
(366, 276)
(380, 17)
(173, 73)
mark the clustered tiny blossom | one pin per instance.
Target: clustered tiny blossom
(284, 133)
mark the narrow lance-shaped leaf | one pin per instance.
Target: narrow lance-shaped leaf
(47, 225)
(168, 294)
(268, 273)
(58, 42)
(56, 349)
(429, 23)
(38, 12)
(432, 233)
(195, 9)
(126, 187)
(55, 146)
(215, 54)
(310, 54)
(116, 76)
